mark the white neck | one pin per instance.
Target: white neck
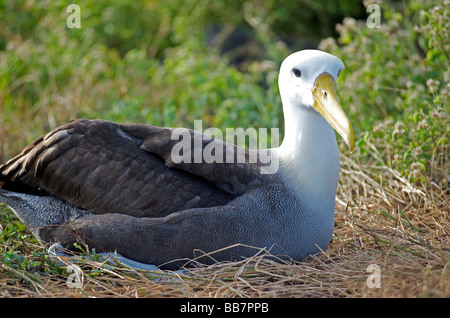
(309, 156)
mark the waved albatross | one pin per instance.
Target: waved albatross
(115, 187)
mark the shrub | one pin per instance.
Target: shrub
(396, 87)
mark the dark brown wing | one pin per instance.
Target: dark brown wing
(104, 167)
(231, 168)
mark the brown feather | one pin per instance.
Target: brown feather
(101, 167)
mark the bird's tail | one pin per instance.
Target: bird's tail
(39, 211)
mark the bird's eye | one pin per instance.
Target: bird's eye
(339, 72)
(297, 72)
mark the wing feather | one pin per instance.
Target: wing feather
(234, 177)
(98, 166)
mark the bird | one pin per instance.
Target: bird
(121, 187)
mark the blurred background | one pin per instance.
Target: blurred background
(170, 62)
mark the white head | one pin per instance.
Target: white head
(309, 155)
(308, 79)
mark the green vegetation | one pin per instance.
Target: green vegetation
(397, 87)
(169, 63)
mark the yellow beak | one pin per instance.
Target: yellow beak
(326, 102)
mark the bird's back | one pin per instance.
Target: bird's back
(97, 166)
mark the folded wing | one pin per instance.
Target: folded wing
(104, 167)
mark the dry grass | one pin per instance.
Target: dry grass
(381, 219)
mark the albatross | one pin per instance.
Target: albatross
(116, 188)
